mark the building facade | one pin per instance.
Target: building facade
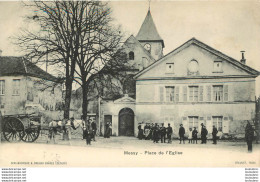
(26, 88)
(197, 84)
(191, 85)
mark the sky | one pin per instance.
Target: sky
(228, 26)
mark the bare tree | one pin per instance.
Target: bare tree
(57, 37)
(79, 35)
(99, 49)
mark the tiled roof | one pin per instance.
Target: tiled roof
(206, 47)
(148, 31)
(15, 66)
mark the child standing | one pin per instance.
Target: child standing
(190, 135)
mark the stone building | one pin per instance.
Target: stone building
(193, 84)
(197, 84)
(26, 88)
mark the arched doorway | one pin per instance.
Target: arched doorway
(126, 122)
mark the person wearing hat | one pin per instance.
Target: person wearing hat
(194, 135)
(163, 133)
(214, 134)
(181, 134)
(204, 133)
(249, 136)
(169, 133)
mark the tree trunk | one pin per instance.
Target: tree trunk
(85, 98)
(68, 84)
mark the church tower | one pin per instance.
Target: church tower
(149, 37)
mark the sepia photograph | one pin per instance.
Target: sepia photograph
(130, 84)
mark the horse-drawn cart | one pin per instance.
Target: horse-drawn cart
(21, 127)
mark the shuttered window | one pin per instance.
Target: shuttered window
(16, 86)
(161, 94)
(169, 93)
(2, 87)
(218, 122)
(193, 122)
(201, 93)
(209, 93)
(225, 92)
(193, 93)
(184, 90)
(177, 94)
(218, 93)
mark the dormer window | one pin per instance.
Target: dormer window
(217, 66)
(193, 67)
(131, 55)
(169, 67)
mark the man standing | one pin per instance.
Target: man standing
(94, 128)
(214, 134)
(146, 131)
(249, 136)
(156, 134)
(204, 133)
(194, 135)
(140, 132)
(181, 133)
(163, 133)
(169, 133)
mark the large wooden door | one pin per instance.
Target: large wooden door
(126, 122)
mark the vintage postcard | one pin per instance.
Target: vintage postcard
(130, 84)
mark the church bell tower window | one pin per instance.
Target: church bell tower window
(131, 55)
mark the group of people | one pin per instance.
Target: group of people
(155, 132)
(193, 134)
(65, 128)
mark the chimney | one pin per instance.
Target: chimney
(1, 52)
(243, 60)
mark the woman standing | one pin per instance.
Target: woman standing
(249, 136)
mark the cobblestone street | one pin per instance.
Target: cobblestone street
(129, 151)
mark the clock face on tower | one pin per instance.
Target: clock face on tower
(147, 47)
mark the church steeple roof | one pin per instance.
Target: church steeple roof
(148, 31)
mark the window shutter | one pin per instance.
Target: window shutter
(177, 94)
(185, 124)
(209, 93)
(199, 123)
(184, 89)
(209, 124)
(156, 94)
(225, 92)
(225, 128)
(201, 93)
(161, 94)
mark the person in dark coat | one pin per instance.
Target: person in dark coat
(214, 134)
(204, 133)
(146, 131)
(88, 133)
(151, 131)
(194, 135)
(107, 130)
(181, 134)
(249, 136)
(94, 128)
(162, 133)
(156, 134)
(169, 133)
(140, 132)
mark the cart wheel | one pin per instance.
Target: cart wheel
(13, 129)
(30, 134)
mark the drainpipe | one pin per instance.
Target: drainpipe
(99, 114)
